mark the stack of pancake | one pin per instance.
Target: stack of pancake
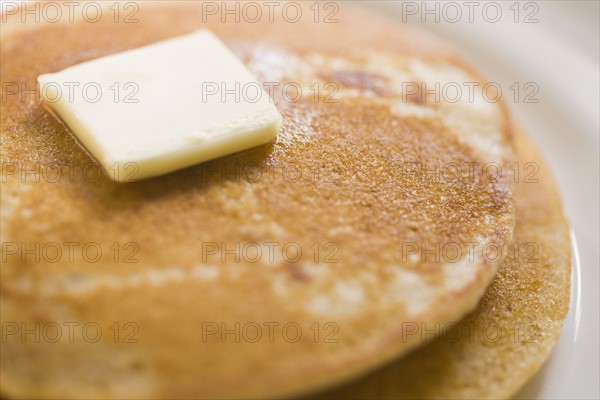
(390, 243)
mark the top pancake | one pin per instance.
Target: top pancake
(338, 185)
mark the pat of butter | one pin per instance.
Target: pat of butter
(159, 108)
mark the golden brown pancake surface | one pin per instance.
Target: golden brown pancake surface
(497, 348)
(333, 198)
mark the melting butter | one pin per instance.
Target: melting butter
(156, 109)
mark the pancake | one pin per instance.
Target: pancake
(273, 272)
(497, 348)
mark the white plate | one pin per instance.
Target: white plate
(558, 53)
